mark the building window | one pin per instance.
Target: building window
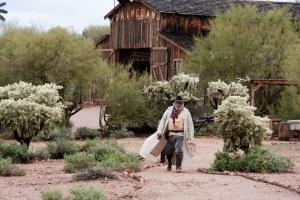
(178, 65)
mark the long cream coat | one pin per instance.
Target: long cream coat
(154, 146)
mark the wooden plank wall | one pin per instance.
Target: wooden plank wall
(174, 53)
(184, 24)
(134, 26)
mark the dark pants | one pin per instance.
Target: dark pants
(174, 145)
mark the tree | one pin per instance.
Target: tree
(245, 42)
(28, 110)
(2, 11)
(95, 32)
(56, 56)
(126, 103)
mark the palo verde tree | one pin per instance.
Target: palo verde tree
(56, 56)
(2, 11)
(28, 110)
(245, 42)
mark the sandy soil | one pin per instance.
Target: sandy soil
(158, 184)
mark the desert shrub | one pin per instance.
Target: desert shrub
(261, 160)
(257, 160)
(86, 193)
(8, 169)
(52, 195)
(227, 162)
(40, 154)
(60, 148)
(81, 193)
(18, 153)
(79, 162)
(57, 133)
(86, 133)
(95, 173)
(121, 133)
(111, 155)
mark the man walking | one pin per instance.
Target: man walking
(174, 136)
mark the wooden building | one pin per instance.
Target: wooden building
(156, 35)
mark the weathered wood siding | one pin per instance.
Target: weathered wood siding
(134, 26)
(174, 53)
(105, 43)
(185, 24)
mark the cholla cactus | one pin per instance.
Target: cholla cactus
(238, 125)
(181, 84)
(219, 90)
(27, 110)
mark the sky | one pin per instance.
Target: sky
(72, 14)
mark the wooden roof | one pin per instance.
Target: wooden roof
(208, 7)
(182, 41)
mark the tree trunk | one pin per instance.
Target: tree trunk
(17, 137)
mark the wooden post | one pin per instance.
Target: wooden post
(284, 131)
(254, 88)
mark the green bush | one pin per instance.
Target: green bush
(87, 193)
(52, 195)
(257, 160)
(79, 162)
(57, 133)
(18, 153)
(95, 173)
(8, 169)
(121, 133)
(111, 155)
(81, 193)
(86, 133)
(41, 154)
(226, 162)
(261, 160)
(60, 148)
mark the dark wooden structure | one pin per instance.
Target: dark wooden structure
(256, 84)
(156, 35)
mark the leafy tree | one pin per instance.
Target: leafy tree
(289, 104)
(56, 56)
(28, 110)
(245, 42)
(95, 32)
(126, 103)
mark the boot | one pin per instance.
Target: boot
(179, 157)
(169, 168)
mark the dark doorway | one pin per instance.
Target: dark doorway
(139, 59)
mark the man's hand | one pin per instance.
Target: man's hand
(191, 145)
(159, 136)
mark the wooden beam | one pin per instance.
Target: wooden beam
(274, 82)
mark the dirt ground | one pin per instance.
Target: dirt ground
(159, 184)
